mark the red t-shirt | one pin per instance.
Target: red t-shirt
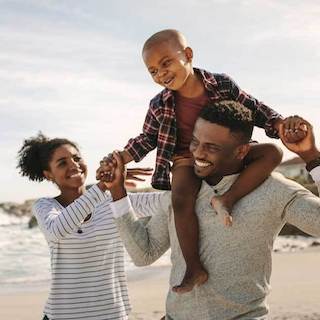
(187, 111)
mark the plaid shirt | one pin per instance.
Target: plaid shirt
(160, 127)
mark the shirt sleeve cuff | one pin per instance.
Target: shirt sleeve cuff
(315, 174)
(120, 207)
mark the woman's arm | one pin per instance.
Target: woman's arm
(57, 224)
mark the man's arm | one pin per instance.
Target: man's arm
(144, 242)
(145, 204)
(145, 239)
(303, 210)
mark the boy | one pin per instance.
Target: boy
(168, 127)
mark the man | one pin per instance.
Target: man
(238, 259)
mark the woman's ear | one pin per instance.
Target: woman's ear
(47, 175)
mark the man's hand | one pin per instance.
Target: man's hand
(133, 173)
(305, 147)
(294, 128)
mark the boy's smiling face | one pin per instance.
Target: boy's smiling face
(169, 64)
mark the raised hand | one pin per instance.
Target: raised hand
(305, 147)
(106, 171)
(112, 174)
(294, 129)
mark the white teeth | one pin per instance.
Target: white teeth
(76, 175)
(168, 81)
(202, 164)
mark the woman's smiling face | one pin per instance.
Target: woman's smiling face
(67, 169)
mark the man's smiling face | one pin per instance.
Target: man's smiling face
(216, 150)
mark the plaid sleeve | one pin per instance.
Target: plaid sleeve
(141, 145)
(264, 117)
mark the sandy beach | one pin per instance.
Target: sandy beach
(295, 291)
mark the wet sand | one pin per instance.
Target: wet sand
(295, 291)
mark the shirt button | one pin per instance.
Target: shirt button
(80, 231)
(215, 191)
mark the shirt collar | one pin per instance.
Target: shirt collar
(221, 187)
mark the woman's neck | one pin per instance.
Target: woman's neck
(67, 196)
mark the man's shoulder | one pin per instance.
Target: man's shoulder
(278, 183)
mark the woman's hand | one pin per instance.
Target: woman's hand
(106, 171)
(114, 175)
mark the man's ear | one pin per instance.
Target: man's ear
(47, 175)
(242, 151)
(189, 53)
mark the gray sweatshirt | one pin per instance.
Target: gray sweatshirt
(238, 259)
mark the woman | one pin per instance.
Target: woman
(87, 256)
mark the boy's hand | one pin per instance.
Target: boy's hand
(106, 169)
(295, 129)
(108, 165)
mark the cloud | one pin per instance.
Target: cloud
(73, 69)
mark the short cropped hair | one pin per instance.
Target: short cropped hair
(36, 153)
(175, 37)
(232, 115)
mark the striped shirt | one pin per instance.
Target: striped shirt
(87, 258)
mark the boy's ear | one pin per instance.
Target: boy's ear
(242, 151)
(47, 175)
(189, 53)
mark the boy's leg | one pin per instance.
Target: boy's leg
(185, 188)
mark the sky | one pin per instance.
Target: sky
(74, 69)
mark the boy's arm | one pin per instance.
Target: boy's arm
(261, 160)
(264, 117)
(138, 147)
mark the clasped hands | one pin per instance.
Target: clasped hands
(112, 172)
(297, 135)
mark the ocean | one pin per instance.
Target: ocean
(24, 255)
(25, 262)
